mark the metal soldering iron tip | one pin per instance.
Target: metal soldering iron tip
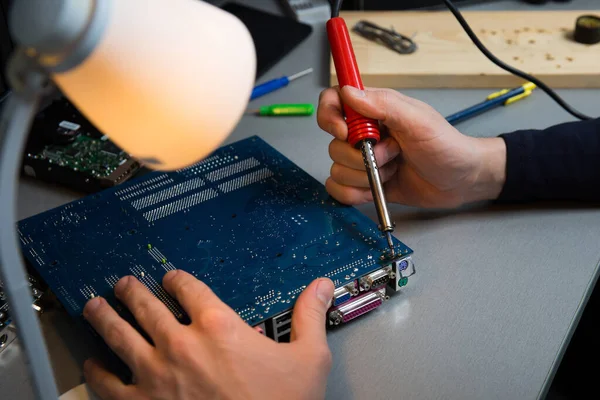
(388, 236)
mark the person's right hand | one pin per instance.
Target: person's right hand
(423, 160)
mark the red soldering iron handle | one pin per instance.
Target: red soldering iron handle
(359, 127)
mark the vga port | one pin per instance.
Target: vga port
(341, 295)
(344, 293)
(357, 307)
(377, 278)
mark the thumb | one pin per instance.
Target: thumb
(310, 312)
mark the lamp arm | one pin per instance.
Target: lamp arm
(28, 88)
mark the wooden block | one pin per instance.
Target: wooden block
(537, 42)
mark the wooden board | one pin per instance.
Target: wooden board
(537, 42)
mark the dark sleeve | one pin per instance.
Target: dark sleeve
(558, 163)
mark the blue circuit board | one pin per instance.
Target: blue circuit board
(246, 221)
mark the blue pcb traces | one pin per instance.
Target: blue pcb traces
(246, 221)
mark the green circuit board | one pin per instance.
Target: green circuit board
(98, 157)
(64, 147)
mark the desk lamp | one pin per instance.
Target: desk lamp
(166, 80)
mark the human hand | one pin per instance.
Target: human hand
(423, 160)
(217, 356)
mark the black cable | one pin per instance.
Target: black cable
(335, 8)
(3, 97)
(510, 69)
(335, 12)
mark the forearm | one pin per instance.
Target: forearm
(558, 163)
(491, 170)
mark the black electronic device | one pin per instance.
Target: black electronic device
(274, 36)
(65, 148)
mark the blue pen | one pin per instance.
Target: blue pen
(503, 97)
(275, 84)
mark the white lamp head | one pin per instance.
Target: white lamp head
(166, 80)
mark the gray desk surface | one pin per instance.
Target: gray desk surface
(497, 291)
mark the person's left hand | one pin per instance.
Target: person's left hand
(217, 356)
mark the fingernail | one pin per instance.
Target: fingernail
(122, 284)
(169, 275)
(325, 292)
(355, 92)
(91, 306)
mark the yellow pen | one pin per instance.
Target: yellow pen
(501, 98)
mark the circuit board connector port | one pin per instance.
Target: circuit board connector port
(344, 293)
(357, 307)
(402, 269)
(377, 279)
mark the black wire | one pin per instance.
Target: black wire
(335, 8)
(510, 69)
(3, 97)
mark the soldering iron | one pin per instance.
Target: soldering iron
(363, 133)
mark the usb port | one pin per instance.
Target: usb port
(283, 318)
(284, 328)
(284, 338)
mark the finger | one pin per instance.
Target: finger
(330, 116)
(310, 312)
(411, 190)
(347, 194)
(151, 313)
(106, 385)
(352, 177)
(385, 105)
(192, 294)
(118, 334)
(343, 153)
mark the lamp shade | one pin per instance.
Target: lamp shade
(166, 80)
